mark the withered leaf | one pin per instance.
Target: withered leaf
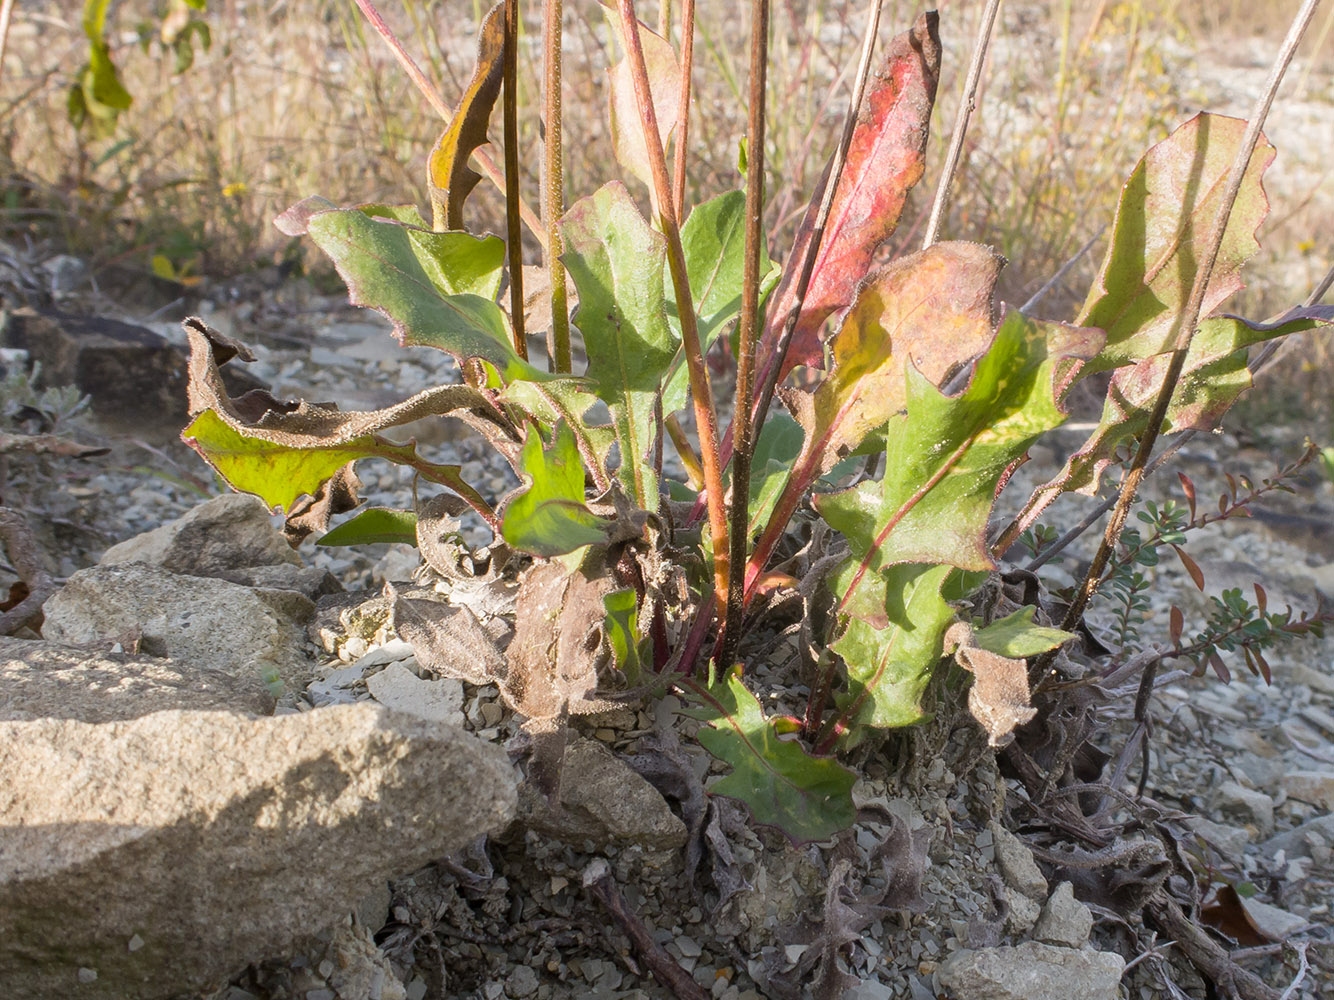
(338, 495)
(450, 642)
(452, 180)
(999, 697)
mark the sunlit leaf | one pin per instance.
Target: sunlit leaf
(617, 263)
(1018, 636)
(1167, 209)
(548, 517)
(374, 525)
(886, 158)
(664, 77)
(452, 180)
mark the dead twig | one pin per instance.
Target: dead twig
(1206, 954)
(17, 540)
(601, 886)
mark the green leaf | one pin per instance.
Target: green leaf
(1167, 209)
(893, 628)
(279, 474)
(1018, 637)
(374, 525)
(946, 456)
(548, 517)
(95, 18)
(617, 264)
(436, 288)
(808, 798)
(622, 630)
(1213, 376)
(714, 241)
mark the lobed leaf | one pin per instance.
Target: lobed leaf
(1166, 210)
(893, 628)
(947, 455)
(617, 263)
(1214, 375)
(808, 798)
(451, 179)
(885, 159)
(548, 517)
(437, 289)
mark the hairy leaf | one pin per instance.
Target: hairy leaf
(1166, 210)
(548, 517)
(947, 455)
(281, 450)
(452, 180)
(617, 264)
(891, 641)
(1213, 377)
(808, 798)
(436, 288)
(714, 242)
(999, 697)
(374, 525)
(886, 158)
(1018, 636)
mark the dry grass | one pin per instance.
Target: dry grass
(297, 97)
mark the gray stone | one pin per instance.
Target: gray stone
(1315, 787)
(1030, 971)
(217, 839)
(603, 800)
(1017, 866)
(1230, 840)
(220, 536)
(190, 619)
(1023, 912)
(1247, 805)
(1274, 923)
(50, 680)
(310, 582)
(1064, 919)
(1313, 836)
(399, 688)
(522, 982)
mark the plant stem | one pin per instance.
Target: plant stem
(748, 331)
(488, 166)
(832, 178)
(706, 416)
(961, 122)
(553, 188)
(1189, 318)
(6, 10)
(513, 237)
(683, 110)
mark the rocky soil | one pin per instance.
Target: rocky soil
(232, 778)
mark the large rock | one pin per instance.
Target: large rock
(49, 680)
(155, 857)
(1030, 971)
(134, 378)
(220, 536)
(191, 619)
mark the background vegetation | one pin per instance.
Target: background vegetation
(296, 97)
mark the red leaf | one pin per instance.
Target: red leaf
(1264, 668)
(886, 158)
(1191, 567)
(1227, 913)
(1188, 488)
(1261, 598)
(1220, 668)
(1178, 622)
